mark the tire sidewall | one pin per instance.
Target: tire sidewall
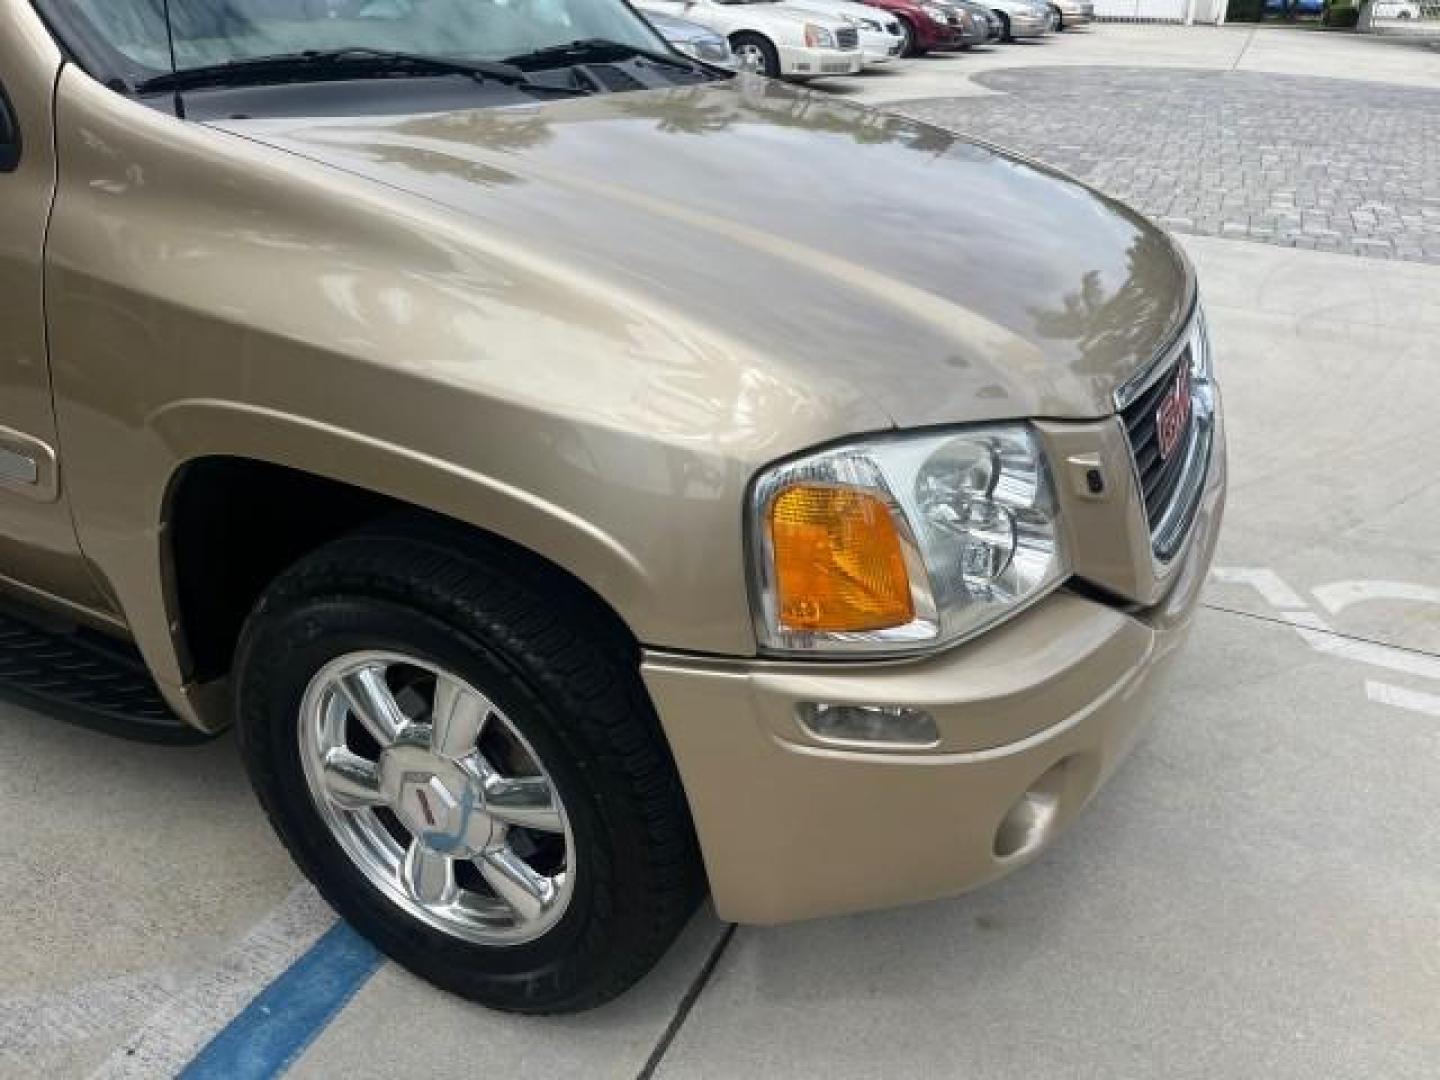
(292, 648)
(907, 30)
(768, 52)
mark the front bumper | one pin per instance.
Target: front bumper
(1034, 716)
(969, 36)
(938, 36)
(879, 48)
(1028, 26)
(806, 63)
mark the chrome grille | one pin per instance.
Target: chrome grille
(1170, 484)
(847, 38)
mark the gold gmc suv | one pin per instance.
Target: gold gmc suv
(575, 505)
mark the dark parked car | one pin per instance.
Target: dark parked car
(930, 26)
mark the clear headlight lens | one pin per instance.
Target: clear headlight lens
(939, 14)
(900, 543)
(818, 37)
(712, 50)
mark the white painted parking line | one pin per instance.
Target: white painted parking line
(1339, 595)
(1414, 700)
(1321, 636)
(192, 1016)
(1266, 582)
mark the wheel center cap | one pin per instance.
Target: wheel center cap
(441, 804)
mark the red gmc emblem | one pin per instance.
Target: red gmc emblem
(1173, 415)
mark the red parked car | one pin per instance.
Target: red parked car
(927, 26)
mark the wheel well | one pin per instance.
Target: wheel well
(234, 524)
(751, 35)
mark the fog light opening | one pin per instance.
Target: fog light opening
(1031, 821)
(869, 725)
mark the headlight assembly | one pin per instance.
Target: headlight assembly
(711, 50)
(818, 37)
(902, 543)
(939, 14)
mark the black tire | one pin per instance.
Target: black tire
(1005, 34)
(769, 55)
(564, 675)
(908, 48)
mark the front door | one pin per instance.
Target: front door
(38, 549)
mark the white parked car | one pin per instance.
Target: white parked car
(773, 39)
(881, 39)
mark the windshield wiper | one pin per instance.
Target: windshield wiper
(334, 63)
(597, 50)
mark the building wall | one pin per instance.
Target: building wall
(1179, 11)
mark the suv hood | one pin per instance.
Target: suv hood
(892, 263)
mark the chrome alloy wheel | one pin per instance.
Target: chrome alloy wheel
(750, 57)
(437, 798)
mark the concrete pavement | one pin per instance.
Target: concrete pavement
(1257, 893)
(1273, 50)
(1321, 163)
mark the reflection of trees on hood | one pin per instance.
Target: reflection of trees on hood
(700, 111)
(683, 112)
(495, 129)
(930, 140)
(1123, 323)
(404, 144)
(870, 127)
(787, 108)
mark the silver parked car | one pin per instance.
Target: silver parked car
(986, 19)
(1022, 18)
(1070, 13)
(692, 39)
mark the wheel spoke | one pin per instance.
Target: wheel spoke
(351, 781)
(526, 890)
(527, 801)
(457, 719)
(428, 876)
(373, 704)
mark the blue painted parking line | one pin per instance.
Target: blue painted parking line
(272, 1031)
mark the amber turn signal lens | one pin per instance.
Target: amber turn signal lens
(838, 562)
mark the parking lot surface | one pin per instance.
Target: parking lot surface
(1255, 894)
(1302, 162)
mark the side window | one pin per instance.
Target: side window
(9, 135)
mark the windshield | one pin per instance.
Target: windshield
(211, 32)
